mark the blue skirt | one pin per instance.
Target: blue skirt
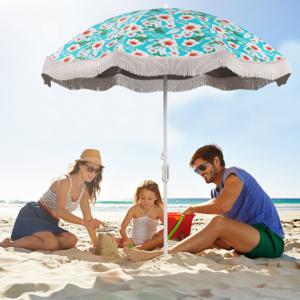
(33, 218)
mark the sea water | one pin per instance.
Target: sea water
(11, 208)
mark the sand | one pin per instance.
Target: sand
(212, 274)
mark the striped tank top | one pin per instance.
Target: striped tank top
(48, 200)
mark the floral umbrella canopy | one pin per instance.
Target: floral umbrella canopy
(166, 50)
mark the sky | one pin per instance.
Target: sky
(44, 129)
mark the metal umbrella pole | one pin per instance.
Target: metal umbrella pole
(165, 166)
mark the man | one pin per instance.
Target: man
(246, 221)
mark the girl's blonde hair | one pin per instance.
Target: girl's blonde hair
(150, 186)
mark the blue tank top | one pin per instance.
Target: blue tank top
(253, 206)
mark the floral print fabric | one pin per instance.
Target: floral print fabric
(166, 33)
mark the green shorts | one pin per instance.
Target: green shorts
(270, 244)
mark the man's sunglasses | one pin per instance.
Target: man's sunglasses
(92, 169)
(201, 168)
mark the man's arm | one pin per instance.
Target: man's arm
(224, 202)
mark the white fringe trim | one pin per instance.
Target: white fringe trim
(76, 74)
(153, 85)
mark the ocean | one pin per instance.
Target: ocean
(174, 204)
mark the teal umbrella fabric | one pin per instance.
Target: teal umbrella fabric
(166, 50)
(137, 49)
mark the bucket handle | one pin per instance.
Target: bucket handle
(176, 226)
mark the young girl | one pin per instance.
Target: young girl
(146, 212)
(36, 227)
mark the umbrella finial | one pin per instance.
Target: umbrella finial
(165, 5)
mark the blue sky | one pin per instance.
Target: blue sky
(44, 129)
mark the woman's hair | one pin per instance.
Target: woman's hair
(150, 186)
(93, 187)
(208, 153)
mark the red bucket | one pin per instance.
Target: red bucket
(184, 229)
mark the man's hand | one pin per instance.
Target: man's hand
(189, 211)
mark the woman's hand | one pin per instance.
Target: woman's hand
(189, 211)
(128, 243)
(93, 223)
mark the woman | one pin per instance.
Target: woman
(36, 227)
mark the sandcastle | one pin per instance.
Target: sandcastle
(106, 244)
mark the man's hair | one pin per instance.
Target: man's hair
(208, 153)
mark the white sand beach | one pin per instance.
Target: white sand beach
(213, 274)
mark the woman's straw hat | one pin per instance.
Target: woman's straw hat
(92, 156)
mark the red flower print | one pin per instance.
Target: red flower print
(190, 27)
(138, 53)
(123, 19)
(246, 57)
(233, 45)
(194, 53)
(186, 17)
(126, 27)
(225, 21)
(167, 42)
(278, 57)
(97, 45)
(110, 44)
(255, 48)
(73, 47)
(104, 54)
(202, 18)
(87, 32)
(189, 43)
(133, 42)
(164, 17)
(218, 29)
(268, 47)
(67, 59)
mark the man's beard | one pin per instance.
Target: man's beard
(211, 175)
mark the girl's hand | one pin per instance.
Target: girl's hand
(189, 211)
(128, 243)
(157, 234)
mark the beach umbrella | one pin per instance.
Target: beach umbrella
(166, 49)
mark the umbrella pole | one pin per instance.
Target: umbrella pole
(165, 167)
